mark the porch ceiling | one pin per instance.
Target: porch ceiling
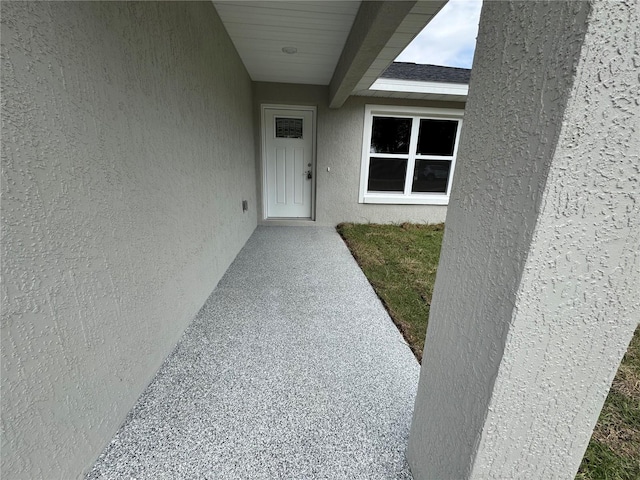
(345, 44)
(317, 29)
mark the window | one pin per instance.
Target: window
(408, 154)
(288, 127)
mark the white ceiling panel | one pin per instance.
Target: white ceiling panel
(317, 29)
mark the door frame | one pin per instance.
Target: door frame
(263, 154)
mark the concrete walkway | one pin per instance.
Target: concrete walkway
(292, 369)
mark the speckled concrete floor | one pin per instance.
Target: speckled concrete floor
(292, 369)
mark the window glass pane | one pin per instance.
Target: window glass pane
(431, 176)
(390, 135)
(387, 174)
(288, 127)
(437, 137)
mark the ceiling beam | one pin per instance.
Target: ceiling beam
(372, 28)
(380, 31)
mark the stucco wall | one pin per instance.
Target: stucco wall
(339, 147)
(536, 296)
(127, 149)
(577, 305)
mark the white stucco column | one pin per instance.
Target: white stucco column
(538, 289)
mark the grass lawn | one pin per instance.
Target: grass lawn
(400, 261)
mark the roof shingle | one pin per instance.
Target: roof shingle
(427, 73)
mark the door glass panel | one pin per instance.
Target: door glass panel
(390, 135)
(431, 176)
(437, 137)
(288, 127)
(387, 174)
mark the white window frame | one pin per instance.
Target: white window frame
(416, 113)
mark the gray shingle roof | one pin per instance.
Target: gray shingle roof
(427, 73)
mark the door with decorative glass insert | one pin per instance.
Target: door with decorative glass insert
(288, 163)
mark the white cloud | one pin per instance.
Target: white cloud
(449, 39)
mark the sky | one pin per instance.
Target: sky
(449, 39)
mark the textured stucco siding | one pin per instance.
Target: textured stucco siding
(536, 296)
(339, 148)
(127, 148)
(577, 304)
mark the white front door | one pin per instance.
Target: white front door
(288, 163)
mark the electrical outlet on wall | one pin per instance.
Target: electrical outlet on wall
(245, 205)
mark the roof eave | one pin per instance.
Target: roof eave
(442, 88)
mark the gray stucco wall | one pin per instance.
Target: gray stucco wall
(339, 147)
(577, 304)
(127, 149)
(536, 296)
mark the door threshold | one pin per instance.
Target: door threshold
(288, 222)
